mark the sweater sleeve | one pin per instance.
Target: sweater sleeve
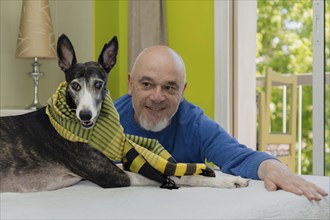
(227, 153)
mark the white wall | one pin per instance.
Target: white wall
(72, 17)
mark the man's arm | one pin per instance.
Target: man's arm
(278, 176)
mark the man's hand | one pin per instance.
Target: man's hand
(278, 176)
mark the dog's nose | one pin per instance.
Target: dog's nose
(85, 115)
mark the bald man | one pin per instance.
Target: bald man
(156, 108)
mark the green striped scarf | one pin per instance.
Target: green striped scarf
(138, 154)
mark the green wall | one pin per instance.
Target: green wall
(111, 18)
(190, 33)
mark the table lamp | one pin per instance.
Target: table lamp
(35, 39)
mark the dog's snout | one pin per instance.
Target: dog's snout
(85, 115)
(86, 118)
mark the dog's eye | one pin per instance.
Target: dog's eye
(75, 86)
(98, 84)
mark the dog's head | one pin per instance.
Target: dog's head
(87, 82)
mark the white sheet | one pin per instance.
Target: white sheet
(86, 200)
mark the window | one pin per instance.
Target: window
(289, 43)
(283, 42)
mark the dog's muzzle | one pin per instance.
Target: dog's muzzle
(85, 117)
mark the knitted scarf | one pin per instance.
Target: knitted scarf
(138, 154)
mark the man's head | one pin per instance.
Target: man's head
(156, 83)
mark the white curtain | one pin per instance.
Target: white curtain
(147, 26)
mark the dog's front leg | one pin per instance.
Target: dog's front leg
(194, 181)
(217, 182)
(92, 165)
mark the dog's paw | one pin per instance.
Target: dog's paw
(234, 182)
(241, 182)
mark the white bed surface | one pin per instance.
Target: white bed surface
(86, 200)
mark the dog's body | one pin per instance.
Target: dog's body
(34, 157)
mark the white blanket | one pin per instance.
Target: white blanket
(86, 200)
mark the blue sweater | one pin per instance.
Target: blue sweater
(192, 137)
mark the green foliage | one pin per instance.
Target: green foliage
(327, 92)
(284, 43)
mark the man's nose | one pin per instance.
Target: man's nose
(157, 95)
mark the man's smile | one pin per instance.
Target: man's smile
(155, 108)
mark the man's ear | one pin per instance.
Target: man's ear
(182, 95)
(129, 84)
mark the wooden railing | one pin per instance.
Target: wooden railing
(304, 79)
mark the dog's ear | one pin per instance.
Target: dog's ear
(65, 53)
(108, 55)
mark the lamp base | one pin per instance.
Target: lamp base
(34, 106)
(35, 74)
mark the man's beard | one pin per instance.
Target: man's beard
(153, 126)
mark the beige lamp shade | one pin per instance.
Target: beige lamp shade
(36, 36)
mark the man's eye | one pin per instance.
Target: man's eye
(75, 86)
(98, 85)
(146, 84)
(170, 88)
